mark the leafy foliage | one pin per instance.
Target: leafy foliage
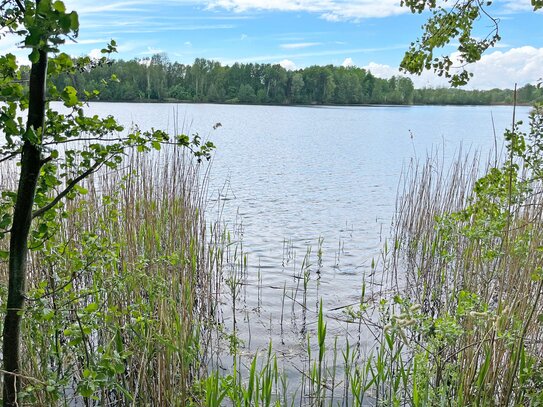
(473, 268)
(445, 25)
(249, 83)
(73, 145)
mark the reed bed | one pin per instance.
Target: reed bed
(122, 296)
(468, 306)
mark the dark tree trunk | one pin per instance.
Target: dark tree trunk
(31, 164)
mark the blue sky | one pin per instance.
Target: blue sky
(298, 33)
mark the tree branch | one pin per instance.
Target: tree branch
(9, 156)
(67, 190)
(20, 5)
(74, 140)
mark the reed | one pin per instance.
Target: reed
(122, 297)
(467, 266)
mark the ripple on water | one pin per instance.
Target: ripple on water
(290, 176)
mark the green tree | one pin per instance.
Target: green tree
(246, 94)
(296, 87)
(406, 89)
(270, 84)
(368, 85)
(55, 151)
(156, 74)
(458, 23)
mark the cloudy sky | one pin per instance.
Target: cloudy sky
(298, 33)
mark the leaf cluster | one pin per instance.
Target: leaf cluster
(445, 25)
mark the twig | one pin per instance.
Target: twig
(67, 190)
(9, 156)
(20, 5)
(33, 379)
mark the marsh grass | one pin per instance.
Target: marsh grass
(122, 297)
(467, 264)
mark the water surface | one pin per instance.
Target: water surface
(289, 180)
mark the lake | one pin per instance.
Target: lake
(311, 182)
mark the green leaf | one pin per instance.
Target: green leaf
(5, 221)
(43, 228)
(91, 307)
(59, 6)
(34, 56)
(83, 191)
(30, 135)
(4, 255)
(86, 390)
(34, 37)
(69, 96)
(74, 21)
(119, 368)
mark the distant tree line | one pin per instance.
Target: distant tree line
(526, 95)
(158, 79)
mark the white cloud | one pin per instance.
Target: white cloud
(95, 53)
(497, 69)
(514, 6)
(503, 69)
(152, 51)
(188, 43)
(243, 37)
(328, 52)
(333, 10)
(381, 70)
(88, 41)
(347, 63)
(161, 28)
(11, 44)
(288, 65)
(329, 9)
(102, 6)
(299, 45)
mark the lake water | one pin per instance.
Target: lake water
(291, 179)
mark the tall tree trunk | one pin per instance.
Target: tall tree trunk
(31, 164)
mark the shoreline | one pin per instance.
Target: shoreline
(190, 102)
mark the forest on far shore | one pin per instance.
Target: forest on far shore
(158, 79)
